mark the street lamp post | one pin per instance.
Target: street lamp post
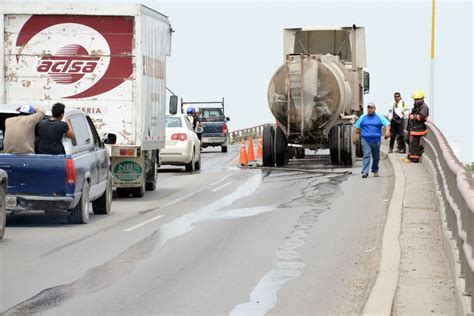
(432, 59)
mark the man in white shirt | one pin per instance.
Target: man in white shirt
(396, 117)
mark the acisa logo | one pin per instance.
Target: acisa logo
(68, 65)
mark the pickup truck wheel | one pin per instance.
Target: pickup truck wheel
(3, 212)
(80, 214)
(224, 149)
(139, 192)
(103, 204)
(123, 192)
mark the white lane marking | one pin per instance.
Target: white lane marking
(221, 187)
(143, 223)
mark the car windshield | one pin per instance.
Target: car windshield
(173, 121)
(212, 115)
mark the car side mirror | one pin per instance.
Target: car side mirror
(109, 139)
(173, 104)
(227, 119)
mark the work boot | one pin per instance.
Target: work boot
(402, 151)
(365, 175)
(390, 150)
(376, 174)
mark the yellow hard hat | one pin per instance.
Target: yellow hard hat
(418, 94)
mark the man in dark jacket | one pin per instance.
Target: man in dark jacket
(417, 127)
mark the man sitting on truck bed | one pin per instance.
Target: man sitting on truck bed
(20, 131)
(50, 132)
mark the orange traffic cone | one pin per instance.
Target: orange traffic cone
(250, 151)
(259, 148)
(243, 154)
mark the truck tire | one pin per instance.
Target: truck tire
(348, 148)
(151, 178)
(281, 144)
(80, 213)
(335, 144)
(3, 212)
(224, 149)
(139, 192)
(358, 148)
(267, 147)
(103, 204)
(123, 192)
(300, 153)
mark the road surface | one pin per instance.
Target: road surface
(223, 240)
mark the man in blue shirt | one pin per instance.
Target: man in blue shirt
(369, 127)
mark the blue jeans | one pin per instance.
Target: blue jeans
(370, 150)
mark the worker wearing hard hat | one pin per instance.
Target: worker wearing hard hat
(396, 117)
(417, 126)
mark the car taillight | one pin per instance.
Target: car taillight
(179, 136)
(70, 172)
(224, 128)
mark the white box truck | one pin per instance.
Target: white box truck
(106, 60)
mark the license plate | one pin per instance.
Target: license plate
(10, 201)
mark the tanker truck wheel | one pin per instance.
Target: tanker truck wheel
(335, 144)
(300, 154)
(348, 148)
(358, 148)
(281, 151)
(267, 147)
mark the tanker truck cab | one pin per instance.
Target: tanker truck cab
(316, 95)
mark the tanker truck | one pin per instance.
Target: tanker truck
(316, 95)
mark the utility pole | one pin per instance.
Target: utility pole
(432, 60)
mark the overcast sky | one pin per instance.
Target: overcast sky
(231, 49)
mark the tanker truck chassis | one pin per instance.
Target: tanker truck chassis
(317, 95)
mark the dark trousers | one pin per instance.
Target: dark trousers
(415, 147)
(397, 132)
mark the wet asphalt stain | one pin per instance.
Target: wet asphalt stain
(314, 200)
(127, 219)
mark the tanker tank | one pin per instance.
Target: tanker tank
(324, 85)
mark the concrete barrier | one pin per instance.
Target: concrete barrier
(255, 132)
(456, 202)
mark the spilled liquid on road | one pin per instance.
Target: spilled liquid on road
(290, 265)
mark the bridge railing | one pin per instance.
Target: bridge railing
(456, 187)
(255, 132)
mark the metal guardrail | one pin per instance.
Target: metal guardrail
(456, 187)
(256, 131)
